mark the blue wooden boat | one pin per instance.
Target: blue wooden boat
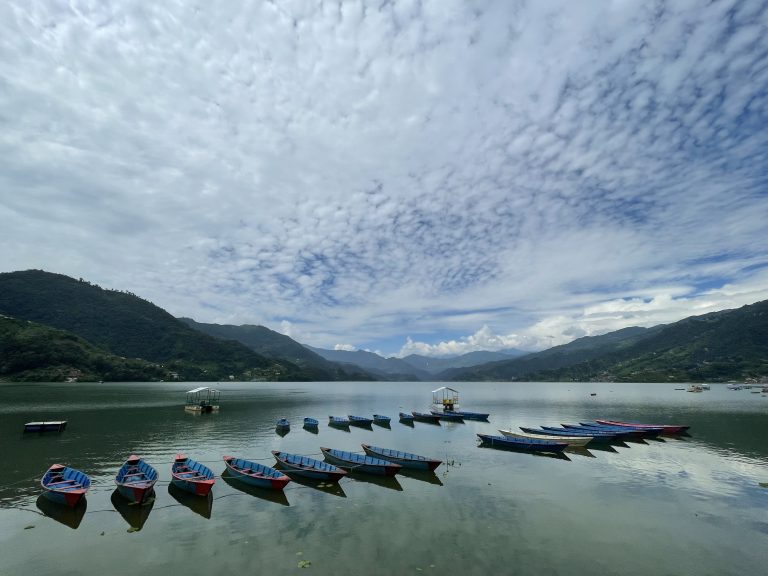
(480, 416)
(423, 417)
(53, 426)
(338, 421)
(310, 423)
(255, 474)
(405, 417)
(646, 432)
(583, 432)
(360, 463)
(308, 467)
(448, 416)
(192, 476)
(619, 433)
(283, 424)
(135, 480)
(524, 444)
(405, 459)
(381, 419)
(597, 437)
(65, 485)
(359, 420)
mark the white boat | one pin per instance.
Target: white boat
(202, 400)
(704, 386)
(570, 440)
(695, 388)
(734, 386)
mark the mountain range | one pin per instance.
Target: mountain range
(54, 327)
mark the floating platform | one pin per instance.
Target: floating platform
(52, 426)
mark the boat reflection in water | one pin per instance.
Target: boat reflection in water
(554, 455)
(383, 481)
(333, 488)
(423, 475)
(201, 505)
(63, 514)
(135, 514)
(276, 496)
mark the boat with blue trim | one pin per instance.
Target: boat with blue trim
(447, 416)
(667, 428)
(424, 417)
(381, 419)
(338, 421)
(308, 467)
(360, 463)
(65, 485)
(192, 476)
(570, 440)
(255, 474)
(405, 459)
(523, 444)
(359, 420)
(136, 480)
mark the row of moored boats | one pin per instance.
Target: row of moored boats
(554, 439)
(136, 478)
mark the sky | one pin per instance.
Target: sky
(431, 177)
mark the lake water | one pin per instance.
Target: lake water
(678, 506)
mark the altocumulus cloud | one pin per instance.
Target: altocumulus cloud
(464, 174)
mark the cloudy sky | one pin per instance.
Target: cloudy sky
(401, 176)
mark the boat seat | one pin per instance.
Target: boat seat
(70, 483)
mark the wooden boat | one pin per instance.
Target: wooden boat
(447, 416)
(308, 467)
(524, 444)
(283, 424)
(570, 440)
(381, 419)
(405, 459)
(645, 432)
(596, 437)
(52, 426)
(360, 463)
(192, 476)
(310, 423)
(666, 428)
(255, 474)
(135, 480)
(65, 485)
(405, 417)
(480, 416)
(338, 421)
(423, 417)
(359, 420)
(574, 429)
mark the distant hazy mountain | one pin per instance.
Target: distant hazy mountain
(278, 346)
(384, 368)
(128, 326)
(436, 365)
(726, 345)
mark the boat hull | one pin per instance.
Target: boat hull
(191, 476)
(570, 440)
(45, 426)
(422, 417)
(522, 444)
(64, 485)
(479, 416)
(308, 467)
(136, 480)
(404, 459)
(260, 475)
(666, 428)
(354, 462)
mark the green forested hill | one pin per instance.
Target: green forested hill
(278, 346)
(726, 345)
(128, 326)
(33, 352)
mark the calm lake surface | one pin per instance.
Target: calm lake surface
(690, 505)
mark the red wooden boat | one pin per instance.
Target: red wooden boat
(192, 476)
(666, 428)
